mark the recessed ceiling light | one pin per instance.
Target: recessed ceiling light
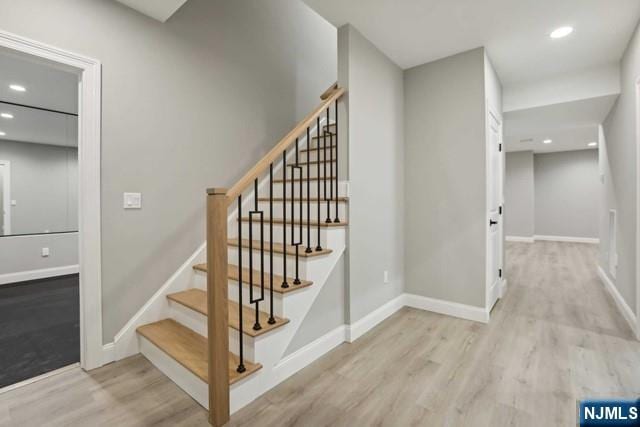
(2, 133)
(561, 32)
(6, 115)
(18, 88)
(547, 141)
(592, 144)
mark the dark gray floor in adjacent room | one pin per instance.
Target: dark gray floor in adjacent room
(39, 327)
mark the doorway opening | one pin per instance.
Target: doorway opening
(50, 256)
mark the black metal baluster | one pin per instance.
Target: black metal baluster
(319, 247)
(256, 301)
(296, 242)
(285, 285)
(308, 250)
(272, 319)
(337, 218)
(328, 199)
(241, 368)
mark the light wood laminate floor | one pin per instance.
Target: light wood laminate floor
(555, 337)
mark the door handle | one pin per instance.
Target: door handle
(492, 222)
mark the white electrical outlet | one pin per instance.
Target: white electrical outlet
(386, 276)
(45, 252)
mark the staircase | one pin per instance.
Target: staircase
(272, 241)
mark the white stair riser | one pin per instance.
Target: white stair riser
(313, 155)
(187, 381)
(313, 168)
(278, 208)
(278, 265)
(201, 280)
(198, 323)
(278, 191)
(264, 305)
(278, 234)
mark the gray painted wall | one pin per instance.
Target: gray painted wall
(327, 312)
(188, 104)
(620, 173)
(24, 253)
(552, 194)
(445, 179)
(44, 184)
(519, 213)
(376, 159)
(566, 194)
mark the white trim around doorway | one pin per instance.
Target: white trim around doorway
(89, 140)
(6, 195)
(638, 208)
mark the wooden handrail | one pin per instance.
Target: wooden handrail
(327, 93)
(218, 201)
(284, 143)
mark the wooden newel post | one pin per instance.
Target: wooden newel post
(218, 320)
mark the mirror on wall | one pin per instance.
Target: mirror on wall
(38, 149)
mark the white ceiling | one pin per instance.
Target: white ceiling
(157, 9)
(47, 87)
(571, 125)
(414, 32)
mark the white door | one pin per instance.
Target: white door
(494, 202)
(5, 199)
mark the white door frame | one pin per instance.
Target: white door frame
(500, 175)
(6, 193)
(637, 208)
(89, 139)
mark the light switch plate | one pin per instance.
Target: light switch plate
(14, 203)
(132, 200)
(45, 252)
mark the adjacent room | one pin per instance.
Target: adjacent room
(551, 174)
(39, 294)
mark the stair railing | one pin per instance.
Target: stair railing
(219, 200)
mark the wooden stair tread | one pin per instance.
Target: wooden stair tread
(314, 223)
(304, 199)
(233, 274)
(196, 299)
(189, 349)
(280, 180)
(278, 248)
(303, 162)
(328, 136)
(316, 149)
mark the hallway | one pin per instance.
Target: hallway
(556, 337)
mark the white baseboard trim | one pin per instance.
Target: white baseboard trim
(311, 352)
(622, 305)
(371, 320)
(454, 309)
(44, 273)
(108, 353)
(567, 239)
(520, 239)
(503, 288)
